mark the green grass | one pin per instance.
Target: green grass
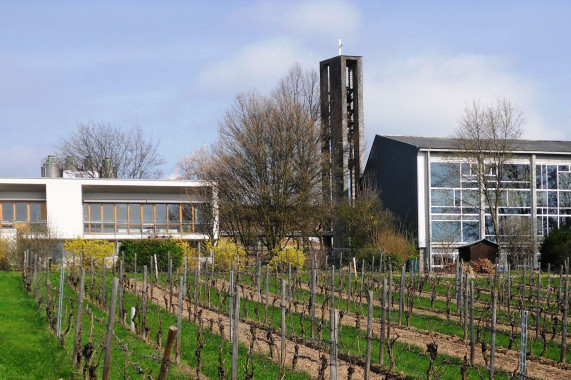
(28, 348)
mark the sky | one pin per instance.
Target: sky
(174, 67)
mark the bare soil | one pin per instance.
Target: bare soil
(506, 360)
(308, 359)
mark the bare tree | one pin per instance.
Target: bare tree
(106, 151)
(266, 163)
(518, 238)
(488, 138)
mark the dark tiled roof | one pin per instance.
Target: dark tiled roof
(447, 143)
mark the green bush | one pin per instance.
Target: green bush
(145, 250)
(556, 248)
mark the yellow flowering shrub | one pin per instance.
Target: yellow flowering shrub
(225, 251)
(99, 249)
(287, 256)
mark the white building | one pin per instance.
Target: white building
(110, 209)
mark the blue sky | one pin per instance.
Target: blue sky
(174, 67)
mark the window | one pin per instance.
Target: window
(470, 231)
(564, 181)
(8, 211)
(21, 209)
(138, 218)
(442, 197)
(445, 174)
(22, 212)
(448, 231)
(35, 212)
(565, 199)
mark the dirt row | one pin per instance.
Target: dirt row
(308, 358)
(453, 316)
(507, 360)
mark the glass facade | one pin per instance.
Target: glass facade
(143, 218)
(456, 201)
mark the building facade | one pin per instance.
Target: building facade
(435, 192)
(109, 209)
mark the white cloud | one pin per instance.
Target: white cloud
(258, 65)
(426, 95)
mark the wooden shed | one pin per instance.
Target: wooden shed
(481, 249)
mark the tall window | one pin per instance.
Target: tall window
(553, 197)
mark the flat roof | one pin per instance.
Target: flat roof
(447, 144)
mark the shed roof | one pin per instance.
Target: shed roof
(481, 241)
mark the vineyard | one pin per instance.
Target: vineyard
(255, 321)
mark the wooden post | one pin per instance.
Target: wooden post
(283, 330)
(312, 300)
(211, 276)
(120, 290)
(401, 295)
(178, 320)
(144, 304)
(47, 282)
(548, 277)
(135, 274)
(538, 304)
(34, 275)
(472, 335)
(77, 342)
(383, 323)
(151, 273)
(333, 337)
(457, 291)
(460, 302)
(523, 345)
(564, 322)
(389, 302)
(109, 338)
(333, 286)
(493, 339)
(235, 335)
(259, 279)
(369, 334)
(231, 303)
(91, 277)
(60, 301)
(267, 301)
(170, 281)
(466, 291)
(185, 279)
(196, 290)
(349, 287)
(40, 260)
(289, 280)
(523, 288)
(167, 354)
